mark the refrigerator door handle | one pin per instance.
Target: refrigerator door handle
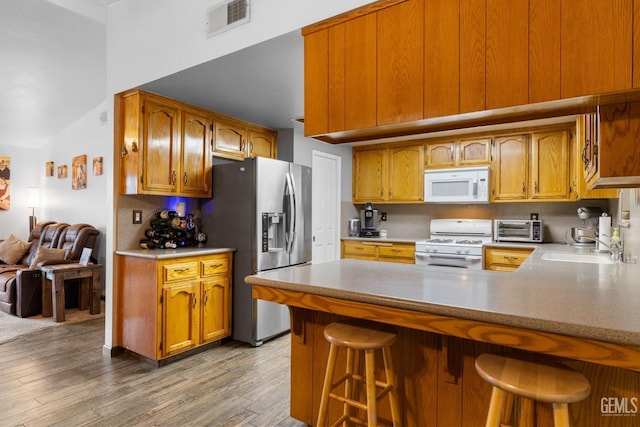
(291, 214)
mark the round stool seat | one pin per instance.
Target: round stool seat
(357, 336)
(541, 382)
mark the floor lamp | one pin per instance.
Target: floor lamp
(33, 201)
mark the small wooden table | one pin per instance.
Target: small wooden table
(53, 291)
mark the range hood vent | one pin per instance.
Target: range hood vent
(227, 15)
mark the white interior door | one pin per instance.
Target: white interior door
(326, 170)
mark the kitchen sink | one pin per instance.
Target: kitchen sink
(590, 258)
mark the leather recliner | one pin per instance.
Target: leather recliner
(20, 286)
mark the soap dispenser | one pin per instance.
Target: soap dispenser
(616, 242)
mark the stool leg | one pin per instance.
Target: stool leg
(372, 404)
(348, 386)
(496, 405)
(525, 412)
(326, 387)
(394, 401)
(561, 415)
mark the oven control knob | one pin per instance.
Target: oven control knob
(458, 250)
(434, 250)
(467, 250)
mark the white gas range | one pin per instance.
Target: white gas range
(454, 243)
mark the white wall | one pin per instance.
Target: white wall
(24, 173)
(150, 39)
(90, 136)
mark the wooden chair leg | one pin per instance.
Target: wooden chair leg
(561, 415)
(326, 387)
(496, 405)
(394, 400)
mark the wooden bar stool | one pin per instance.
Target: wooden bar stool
(357, 337)
(557, 385)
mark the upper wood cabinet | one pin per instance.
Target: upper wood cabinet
(596, 46)
(610, 151)
(388, 173)
(531, 167)
(578, 156)
(448, 154)
(237, 140)
(382, 69)
(164, 147)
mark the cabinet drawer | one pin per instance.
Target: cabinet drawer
(180, 271)
(397, 251)
(506, 257)
(359, 249)
(215, 266)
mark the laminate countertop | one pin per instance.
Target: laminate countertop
(160, 254)
(586, 300)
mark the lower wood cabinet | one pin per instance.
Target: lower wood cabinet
(379, 251)
(505, 259)
(172, 305)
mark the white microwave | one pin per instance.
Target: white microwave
(458, 185)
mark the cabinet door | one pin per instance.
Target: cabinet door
(229, 139)
(472, 55)
(474, 152)
(316, 86)
(180, 317)
(216, 308)
(550, 165)
(400, 63)
(510, 168)
(161, 147)
(596, 53)
(262, 143)
(337, 78)
(441, 58)
(440, 155)
(507, 53)
(360, 65)
(544, 50)
(359, 250)
(195, 179)
(406, 169)
(369, 175)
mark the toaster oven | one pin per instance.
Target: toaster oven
(515, 230)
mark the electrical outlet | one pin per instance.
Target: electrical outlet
(383, 216)
(137, 216)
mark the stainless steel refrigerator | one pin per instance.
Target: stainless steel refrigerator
(261, 207)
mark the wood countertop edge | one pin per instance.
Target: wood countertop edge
(586, 349)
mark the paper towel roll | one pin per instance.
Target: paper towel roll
(604, 232)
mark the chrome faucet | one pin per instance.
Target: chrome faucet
(614, 248)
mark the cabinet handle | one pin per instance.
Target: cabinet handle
(251, 147)
(185, 179)
(206, 297)
(585, 160)
(216, 265)
(195, 300)
(181, 270)
(124, 149)
(523, 187)
(174, 178)
(535, 186)
(510, 258)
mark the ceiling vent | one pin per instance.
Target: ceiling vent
(227, 15)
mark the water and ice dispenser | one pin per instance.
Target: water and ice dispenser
(273, 231)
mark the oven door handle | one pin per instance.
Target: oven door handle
(444, 256)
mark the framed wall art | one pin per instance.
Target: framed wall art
(5, 183)
(62, 172)
(97, 165)
(79, 172)
(49, 169)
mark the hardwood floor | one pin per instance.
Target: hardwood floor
(60, 377)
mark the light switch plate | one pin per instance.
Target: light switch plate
(137, 216)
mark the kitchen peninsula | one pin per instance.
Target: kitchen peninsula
(583, 314)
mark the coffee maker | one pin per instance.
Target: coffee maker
(369, 221)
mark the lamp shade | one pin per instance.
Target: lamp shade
(33, 197)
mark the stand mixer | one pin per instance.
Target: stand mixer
(585, 236)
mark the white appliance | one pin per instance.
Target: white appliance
(261, 207)
(457, 185)
(454, 243)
